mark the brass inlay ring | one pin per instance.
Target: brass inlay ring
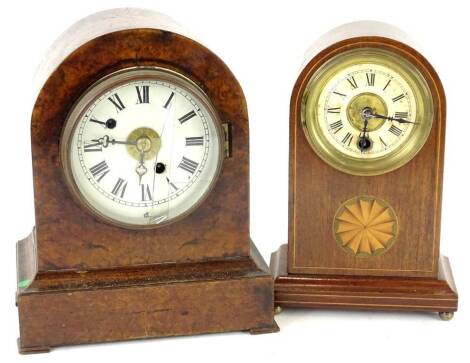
(366, 100)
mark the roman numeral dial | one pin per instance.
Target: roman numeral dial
(389, 104)
(364, 110)
(146, 149)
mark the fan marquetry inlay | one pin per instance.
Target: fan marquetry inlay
(365, 226)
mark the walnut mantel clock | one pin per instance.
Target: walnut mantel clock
(367, 123)
(140, 161)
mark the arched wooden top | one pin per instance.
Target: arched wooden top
(414, 190)
(315, 60)
(69, 237)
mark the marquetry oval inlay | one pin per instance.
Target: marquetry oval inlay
(365, 226)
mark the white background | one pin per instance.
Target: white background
(263, 43)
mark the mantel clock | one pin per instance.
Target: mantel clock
(140, 162)
(367, 123)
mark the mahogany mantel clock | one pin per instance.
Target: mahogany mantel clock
(367, 123)
(140, 161)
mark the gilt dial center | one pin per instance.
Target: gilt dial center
(143, 140)
(143, 144)
(364, 104)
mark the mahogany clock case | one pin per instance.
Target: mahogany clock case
(312, 271)
(81, 280)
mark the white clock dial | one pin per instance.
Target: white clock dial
(145, 149)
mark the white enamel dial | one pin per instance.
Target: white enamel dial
(145, 149)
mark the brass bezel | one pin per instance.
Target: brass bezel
(108, 82)
(370, 166)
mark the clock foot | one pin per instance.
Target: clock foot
(32, 350)
(446, 315)
(274, 328)
(277, 310)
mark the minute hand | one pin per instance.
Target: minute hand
(399, 120)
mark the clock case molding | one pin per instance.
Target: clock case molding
(311, 271)
(84, 281)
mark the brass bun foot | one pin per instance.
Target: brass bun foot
(277, 310)
(446, 315)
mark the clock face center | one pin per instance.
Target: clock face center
(143, 142)
(363, 105)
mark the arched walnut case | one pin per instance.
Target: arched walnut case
(81, 280)
(314, 270)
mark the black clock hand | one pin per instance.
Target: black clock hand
(364, 142)
(109, 124)
(106, 140)
(399, 120)
(364, 130)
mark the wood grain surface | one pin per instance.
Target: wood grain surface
(318, 190)
(81, 280)
(363, 292)
(63, 242)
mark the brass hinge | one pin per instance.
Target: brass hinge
(227, 127)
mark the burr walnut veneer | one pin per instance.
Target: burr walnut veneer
(81, 280)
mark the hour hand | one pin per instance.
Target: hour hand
(106, 140)
(399, 120)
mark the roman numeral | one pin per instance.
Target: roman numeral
(116, 101)
(398, 98)
(370, 79)
(347, 139)
(383, 142)
(339, 94)
(395, 130)
(402, 115)
(334, 110)
(120, 187)
(168, 101)
(336, 126)
(146, 193)
(387, 84)
(352, 82)
(93, 147)
(99, 170)
(142, 94)
(187, 117)
(188, 165)
(195, 141)
(175, 188)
